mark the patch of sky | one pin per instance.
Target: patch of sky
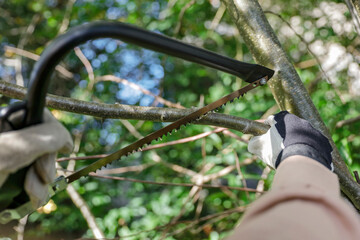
(111, 46)
(6, 71)
(51, 3)
(156, 91)
(99, 87)
(103, 57)
(100, 43)
(149, 57)
(96, 63)
(157, 71)
(88, 53)
(148, 83)
(129, 95)
(155, 7)
(95, 124)
(78, 3)
(12, 101)
(103, 133)
(114, 13)
(146, 100)
(154, 10)
(122, 2)
(130, 57)
(112, 138)
(131, 6)
(109, 3)
(83, 83)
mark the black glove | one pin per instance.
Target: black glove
(290, 135)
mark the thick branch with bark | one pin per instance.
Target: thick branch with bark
(354, 9)
(287, 88)
(121, 111)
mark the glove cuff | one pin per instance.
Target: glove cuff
(303, 150)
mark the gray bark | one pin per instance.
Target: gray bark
(286, 85)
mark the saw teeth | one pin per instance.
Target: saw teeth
(79, 173)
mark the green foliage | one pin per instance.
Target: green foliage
(144, 210)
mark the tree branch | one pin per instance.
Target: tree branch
(286, 86)
(347, 121)
(174, 184)
(354, 9)
(120, 111)
(66, 73)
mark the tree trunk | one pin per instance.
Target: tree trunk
(286, 86)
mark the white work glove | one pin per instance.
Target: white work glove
(290, 135)
(39, 143)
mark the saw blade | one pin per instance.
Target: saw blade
(136, 146)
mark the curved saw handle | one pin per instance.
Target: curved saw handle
(40, 76)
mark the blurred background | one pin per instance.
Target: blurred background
(319, 38)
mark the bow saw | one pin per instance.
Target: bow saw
(14, 203)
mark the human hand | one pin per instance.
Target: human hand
(290, 135)
(37, 145)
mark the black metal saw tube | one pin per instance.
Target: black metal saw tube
(40, 76)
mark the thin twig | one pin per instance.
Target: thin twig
(181, 16)
(233, 135)
(261, 184)
(173, 184)
(66, 19)
(240, 174)
(79, 202)
(64, 159)
(137, 168)
(22, 42)
(347, 122)
(66, 73)
(213, 216)
(202, 195)
(20, 228)
(88, 67)
(354, 14)
(357, 178)
(177, 168)
(184, 140)
(218, 16)
(135, 86)
(193, 192)
(131, 128)
(312, 53)
(205, 218)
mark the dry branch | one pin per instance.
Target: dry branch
(35, 57)
(120, 111)
(347, 122)
(174, 184)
